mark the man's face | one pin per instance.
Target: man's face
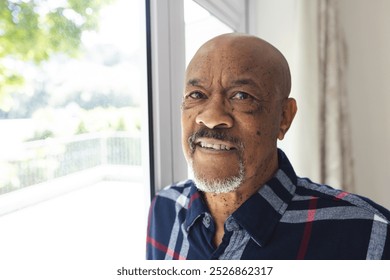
(231, 116)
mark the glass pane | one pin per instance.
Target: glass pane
(200, 26)
(72, 88)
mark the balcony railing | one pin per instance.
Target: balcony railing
(43, 160)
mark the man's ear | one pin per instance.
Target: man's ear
(289, 110)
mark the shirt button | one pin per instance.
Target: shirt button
(206, 221)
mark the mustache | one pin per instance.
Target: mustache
(216, 133)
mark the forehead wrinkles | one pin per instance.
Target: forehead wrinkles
(203, 72)
(244, 55)
(224, 71)
(213, 67)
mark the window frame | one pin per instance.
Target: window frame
(168, 66)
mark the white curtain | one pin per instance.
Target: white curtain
(336, 163)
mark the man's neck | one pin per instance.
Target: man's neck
(221, 206)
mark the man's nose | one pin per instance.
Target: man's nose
(215, 115)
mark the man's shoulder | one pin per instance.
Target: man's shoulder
(331, 197)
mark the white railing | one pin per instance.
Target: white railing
(40, 161)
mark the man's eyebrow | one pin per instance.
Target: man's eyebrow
(193, 82)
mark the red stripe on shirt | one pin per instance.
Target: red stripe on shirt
(164, 249)
(341, 195)
(308, 227)
(192, 198)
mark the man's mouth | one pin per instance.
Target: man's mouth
(214, 141)
(214, 144)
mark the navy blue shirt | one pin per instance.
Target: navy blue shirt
(288, 218)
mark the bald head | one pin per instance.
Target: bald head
(251, 54)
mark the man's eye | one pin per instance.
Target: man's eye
(241, 95)
(196, 95)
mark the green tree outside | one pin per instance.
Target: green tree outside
(34, 30)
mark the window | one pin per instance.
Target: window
(73, 99)
(201, 26)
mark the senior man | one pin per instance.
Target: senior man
(245, 201)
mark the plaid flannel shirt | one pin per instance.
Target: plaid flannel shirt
(288, 218)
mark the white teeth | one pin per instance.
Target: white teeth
(214, 146)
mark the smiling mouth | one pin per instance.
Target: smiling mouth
(215, 145)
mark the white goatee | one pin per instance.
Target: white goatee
(218, 186)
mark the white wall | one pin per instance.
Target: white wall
(367, 27)
(291, 26)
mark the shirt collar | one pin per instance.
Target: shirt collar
(196, 206)
(261, 213)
